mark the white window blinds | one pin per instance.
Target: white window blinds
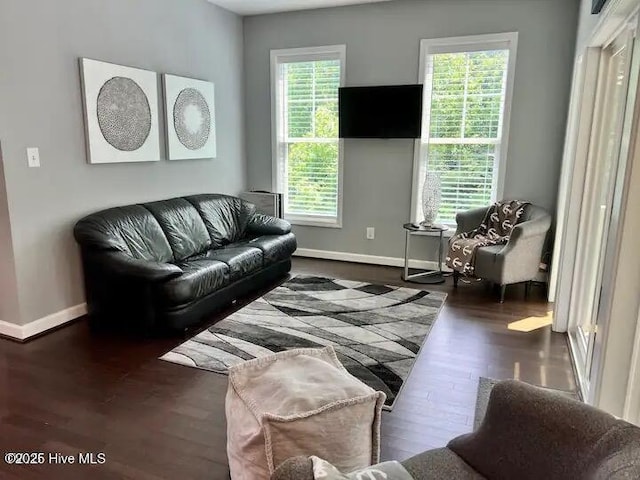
(307, 156)
(465, 100)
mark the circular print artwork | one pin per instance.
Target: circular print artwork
(124, 115)
(192, 119)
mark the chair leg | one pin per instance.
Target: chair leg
(456, 277)
(527, 290)
(503, 289)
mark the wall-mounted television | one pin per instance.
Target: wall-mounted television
(597, 6)
(381, 112)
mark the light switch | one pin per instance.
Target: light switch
(33, 157)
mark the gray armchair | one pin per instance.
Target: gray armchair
(528, 433)
(516, 262)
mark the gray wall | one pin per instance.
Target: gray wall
(9, 308)
(383, 48)
(40, 101)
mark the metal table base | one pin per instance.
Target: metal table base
(427, 277)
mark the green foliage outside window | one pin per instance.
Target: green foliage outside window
(466, 104)
(312, 113)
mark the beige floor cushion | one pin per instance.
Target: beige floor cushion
(299, 402)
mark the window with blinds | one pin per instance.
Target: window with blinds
(466, 89)
(307, 156)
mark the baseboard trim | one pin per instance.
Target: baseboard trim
(360, 258)
(37, 327)
(11, 330)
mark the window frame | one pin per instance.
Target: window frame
(498, 41)
(291, 55)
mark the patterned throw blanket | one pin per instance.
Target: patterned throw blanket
(495, 229)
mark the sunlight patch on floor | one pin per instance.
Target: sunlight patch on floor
(531, 323)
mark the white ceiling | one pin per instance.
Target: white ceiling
(255, 7)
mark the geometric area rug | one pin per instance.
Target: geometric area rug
(376, 330)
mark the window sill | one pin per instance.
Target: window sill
(314, 223)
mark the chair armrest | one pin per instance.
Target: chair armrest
(532, 433)
(266, 225)
(519, 260)
(531, 228)
(470, 220)
(527, 238)
(121, 264)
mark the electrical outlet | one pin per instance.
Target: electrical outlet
(371, 233)
(33, 157)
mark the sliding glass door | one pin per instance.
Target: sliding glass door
(599, 186)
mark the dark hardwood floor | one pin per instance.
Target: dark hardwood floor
(74, 391)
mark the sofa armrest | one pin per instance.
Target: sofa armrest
(121, 264)
(532, 433)
(470, 220)
(267, 225)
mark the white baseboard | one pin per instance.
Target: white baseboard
(10, 330)
(23, 332)
(360, 258)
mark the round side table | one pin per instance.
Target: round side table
(425, 276)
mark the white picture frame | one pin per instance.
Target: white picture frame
(190, 118)
(120, 106)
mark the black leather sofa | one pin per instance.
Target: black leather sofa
(169, 264)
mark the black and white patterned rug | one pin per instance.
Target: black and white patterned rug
(376, 330)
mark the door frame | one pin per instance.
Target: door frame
(616, 301)
(615, 17)
(583, 345)
(608, 354)
(572, 176)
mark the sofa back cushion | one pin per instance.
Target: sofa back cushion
(226, 218)
(183, 226)
(131, 229)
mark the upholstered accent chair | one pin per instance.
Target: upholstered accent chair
(516, 262)
(528, 433)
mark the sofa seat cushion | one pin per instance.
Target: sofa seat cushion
(200, 278)
(240, 259)
(274, 247)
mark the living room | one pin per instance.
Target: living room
(84, 368)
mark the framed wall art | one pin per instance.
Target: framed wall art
(120, 113)
(190, 118)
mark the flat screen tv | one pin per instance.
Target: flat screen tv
(381, 112)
